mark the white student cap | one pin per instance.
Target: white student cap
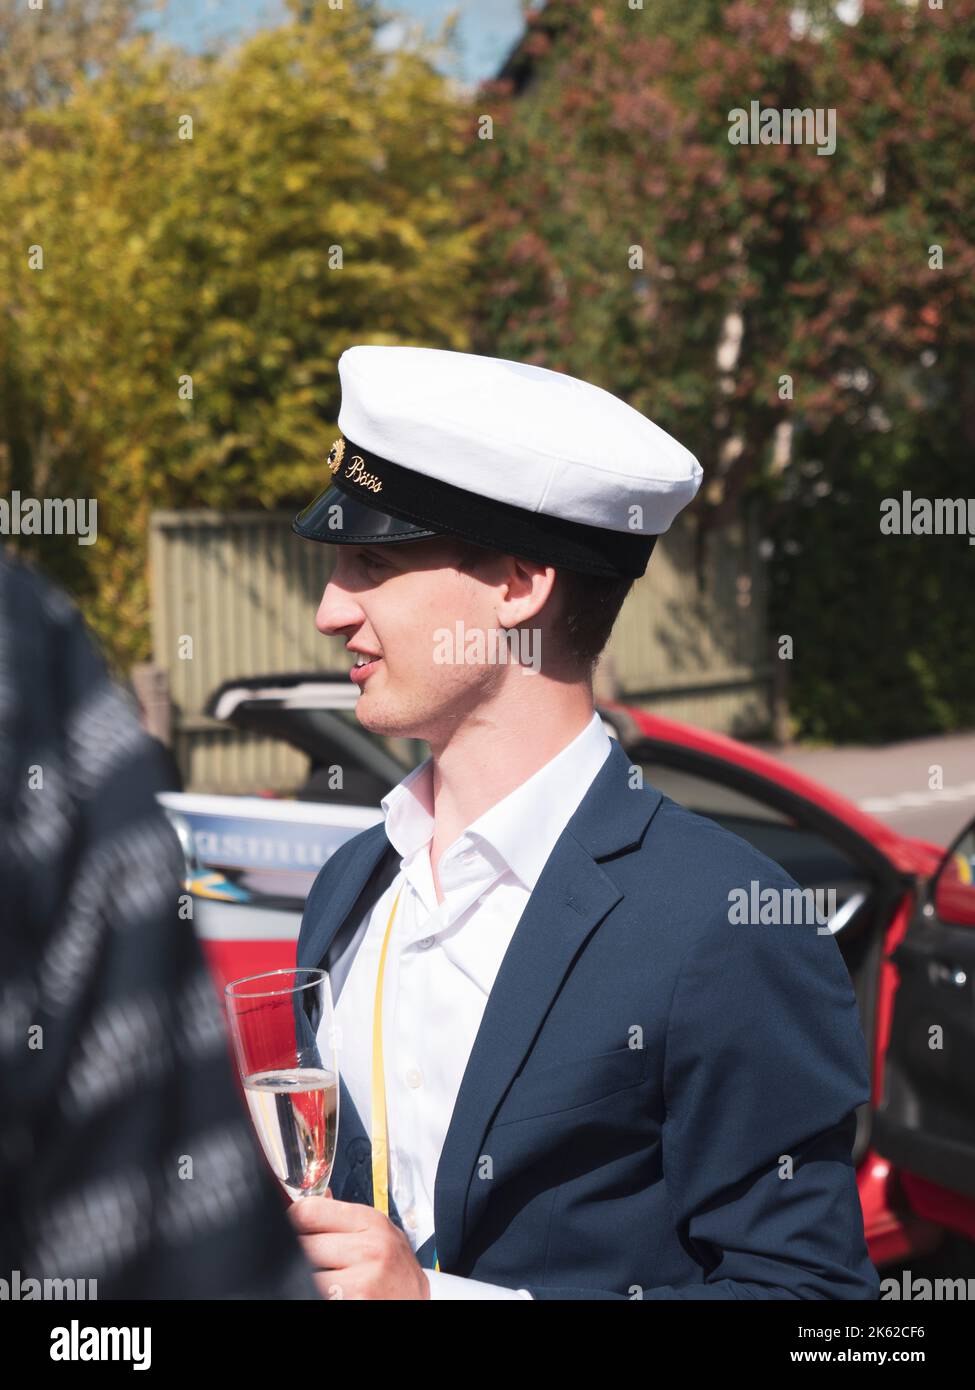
(514, 457)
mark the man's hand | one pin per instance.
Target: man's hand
(356, 1251)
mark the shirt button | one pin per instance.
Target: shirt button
(410, 1220)
(413, 1077)
(425, 943)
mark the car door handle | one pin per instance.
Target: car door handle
(941, 974)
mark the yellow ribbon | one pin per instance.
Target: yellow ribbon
(380, 1148)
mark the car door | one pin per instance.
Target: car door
(926, 1120)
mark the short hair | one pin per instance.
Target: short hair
(588, 607)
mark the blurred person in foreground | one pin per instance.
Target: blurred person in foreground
(127, 1162)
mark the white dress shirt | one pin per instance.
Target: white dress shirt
(441, 963)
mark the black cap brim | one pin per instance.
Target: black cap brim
(344, 513)
(338, 518)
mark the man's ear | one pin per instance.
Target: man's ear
(525, 574)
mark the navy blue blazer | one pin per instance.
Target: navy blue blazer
(643, 1073)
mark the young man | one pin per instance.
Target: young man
(586, 1077)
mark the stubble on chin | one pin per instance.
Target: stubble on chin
(433, 715)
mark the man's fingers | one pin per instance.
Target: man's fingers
(312, 1214)
(345, 1251)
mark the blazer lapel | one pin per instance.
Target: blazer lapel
(572, 896)
(321, 921)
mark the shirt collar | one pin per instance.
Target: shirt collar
(524, 826)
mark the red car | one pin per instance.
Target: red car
(904, 918)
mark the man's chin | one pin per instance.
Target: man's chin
(376, 716)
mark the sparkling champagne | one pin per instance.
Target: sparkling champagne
(295, 1113)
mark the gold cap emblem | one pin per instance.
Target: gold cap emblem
(334, 459)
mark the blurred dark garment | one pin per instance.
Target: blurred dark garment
(170, 777)
(126, 1156)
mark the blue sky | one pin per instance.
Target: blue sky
(487, 29)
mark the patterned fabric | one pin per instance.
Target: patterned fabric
(126, 1156)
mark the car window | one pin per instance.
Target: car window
(334, 759)
(409, 752)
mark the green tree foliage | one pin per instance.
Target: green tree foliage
(44, 52)
(314, 206)
(762, 262)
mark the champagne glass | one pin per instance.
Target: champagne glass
(283, 1029)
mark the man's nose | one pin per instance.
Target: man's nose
(338, 610)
